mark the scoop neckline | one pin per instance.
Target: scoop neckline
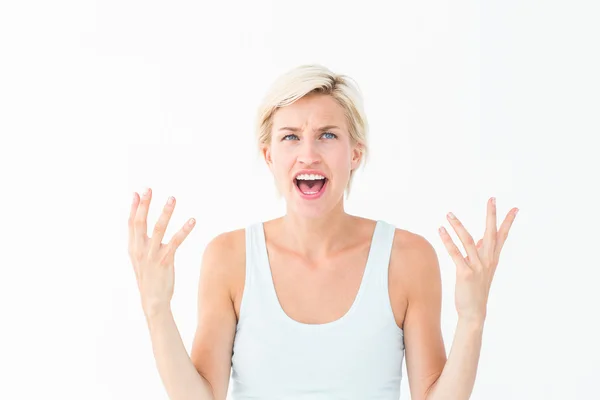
(281, 312)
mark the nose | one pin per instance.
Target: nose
(308, 153)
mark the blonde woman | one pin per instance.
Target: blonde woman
(318, 303)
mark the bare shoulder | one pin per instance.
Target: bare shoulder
(412, 253)
(413, 266)
(229, 248)
(223, 243)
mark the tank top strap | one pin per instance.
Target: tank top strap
(382, 247)
(254, 276)
(376, 301)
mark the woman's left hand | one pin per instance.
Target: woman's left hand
(475, 272)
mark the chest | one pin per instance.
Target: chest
(321, 292)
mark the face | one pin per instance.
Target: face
(311, 135)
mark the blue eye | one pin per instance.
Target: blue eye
(333, 135)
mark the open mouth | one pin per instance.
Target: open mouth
(310, 187)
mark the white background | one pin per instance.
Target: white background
(466, 100)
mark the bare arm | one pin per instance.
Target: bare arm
(458, 377)
(224, 257)
(179, 376)
(205, 374)
(474, 276)
(432, 375)
(421, 281)
(153, 264)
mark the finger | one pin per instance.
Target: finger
(161, 226)
(141, 216)
(130, 221)
(453, 250)
(491, 231)
(479, 247)
(180, 236)
(503, 232)
(466, 239)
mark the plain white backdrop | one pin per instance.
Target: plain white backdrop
(465, 99)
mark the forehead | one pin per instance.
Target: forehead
(313, 109)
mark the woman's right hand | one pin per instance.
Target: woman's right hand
(154, 262)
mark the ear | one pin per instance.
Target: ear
(357, 152)
(266, 152)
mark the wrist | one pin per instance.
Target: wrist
(157, 313)
(471, 323)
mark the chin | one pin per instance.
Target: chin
(312, 206)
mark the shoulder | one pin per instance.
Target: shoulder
(413, 261)
(412, 245)
(225, 256)
(226, 245)
(225, 240)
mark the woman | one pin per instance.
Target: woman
(316, 304)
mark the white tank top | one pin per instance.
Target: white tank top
(358, 356)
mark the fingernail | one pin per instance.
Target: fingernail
(171, 200)
(192, 221)
(147, 192)
(451, 216)
(493, 200)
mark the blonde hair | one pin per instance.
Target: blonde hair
(309, 79)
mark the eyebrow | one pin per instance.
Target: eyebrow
(321, 129)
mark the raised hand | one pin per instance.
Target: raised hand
(475, 272)
(154, 262)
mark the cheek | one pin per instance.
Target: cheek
(340, 159)
(282, 160)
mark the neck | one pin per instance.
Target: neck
(316, 238)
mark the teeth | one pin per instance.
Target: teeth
(309, 177)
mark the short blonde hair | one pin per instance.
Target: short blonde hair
(310, 79)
